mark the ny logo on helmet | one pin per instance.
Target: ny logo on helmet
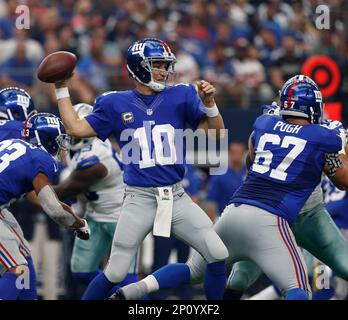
(138, 48)
(23, 101)
(53, 121)
(318, 97)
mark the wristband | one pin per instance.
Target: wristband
(62, 93)
(212, 112)
(343, 136)
(334, 163)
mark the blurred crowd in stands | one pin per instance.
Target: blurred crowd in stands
(245, 47)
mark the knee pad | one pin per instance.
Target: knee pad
(243, 275)
(238, 281)
(117, 267)
(217, 251)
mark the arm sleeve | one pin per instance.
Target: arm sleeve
(194, 110)
(51, 205)
(99, 119)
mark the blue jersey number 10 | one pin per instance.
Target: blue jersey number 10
(156, 136)
(279, 172)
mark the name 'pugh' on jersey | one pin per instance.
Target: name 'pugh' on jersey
(288, 163)
(287, 127)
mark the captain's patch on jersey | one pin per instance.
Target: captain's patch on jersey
(127, 117)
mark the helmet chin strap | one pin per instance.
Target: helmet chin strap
(10, 114)
(39, 144)
(155, 86)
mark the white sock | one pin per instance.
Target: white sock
(134, 291)
(151, 283)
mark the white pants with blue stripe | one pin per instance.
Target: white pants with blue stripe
(13, 247)
(251, 233)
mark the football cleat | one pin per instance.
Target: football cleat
(118, 295)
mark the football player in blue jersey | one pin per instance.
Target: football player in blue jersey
(329, 246)
(16, 106)
(288, 155)
(154, 197)
(26, 166)
(163, 247)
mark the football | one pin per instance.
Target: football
(57, 66)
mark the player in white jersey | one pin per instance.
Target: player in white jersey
(96, 171)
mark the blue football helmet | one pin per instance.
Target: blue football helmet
(140, 58)
(15, 104)
(46, 131)
(301, 97)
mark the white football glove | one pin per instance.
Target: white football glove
(343, 135)
(271, 109)
(84, 232)
(337, 125)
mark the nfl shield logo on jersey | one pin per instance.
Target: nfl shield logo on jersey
(127, 117)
